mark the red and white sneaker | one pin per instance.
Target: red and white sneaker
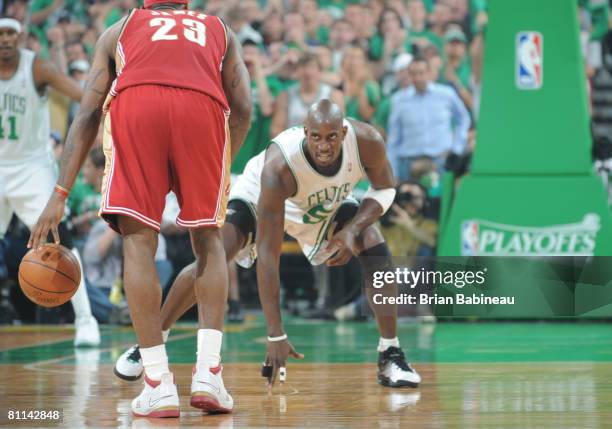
(158, 399)
(208, 391)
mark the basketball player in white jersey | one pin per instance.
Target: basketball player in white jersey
(302, 185)
(27, 169)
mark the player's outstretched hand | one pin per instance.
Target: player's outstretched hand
(48, 221)
(344, 241)
(276, 358)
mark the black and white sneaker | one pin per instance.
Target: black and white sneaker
(394, 371)
(129, 366)
(234, 313)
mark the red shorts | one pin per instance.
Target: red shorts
(158, 139)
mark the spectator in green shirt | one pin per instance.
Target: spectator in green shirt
(84, 199)
(419, 34)
(390, 38)
(120, 9)
(263, 90)
(315, 33)
(72, 14)
(338, 4)
(439, 19)
(390, 41)
(457, 71)
(361, 92)
(359, 17)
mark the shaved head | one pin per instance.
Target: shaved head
(325, 131)
(324, 112)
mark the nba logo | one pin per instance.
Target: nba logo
(529, 60)
(469, 238)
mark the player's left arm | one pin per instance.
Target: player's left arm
(378, 198)
(47, 74)
(80, 137)
(237, 87)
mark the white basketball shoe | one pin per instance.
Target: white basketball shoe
(208, 391)
(158, 398)
(394, 371)
(87, 332)
(129, 366)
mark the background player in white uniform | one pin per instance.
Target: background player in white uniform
(302, 185)
(27, 170)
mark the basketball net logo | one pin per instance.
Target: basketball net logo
(529, 60)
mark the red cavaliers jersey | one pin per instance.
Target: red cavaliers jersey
(180, 48)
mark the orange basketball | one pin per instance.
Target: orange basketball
(49, 276)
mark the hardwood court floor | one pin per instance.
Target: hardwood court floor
(475, 375)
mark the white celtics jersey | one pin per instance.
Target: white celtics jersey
(318, 196)
(24, 116)
(310, 212)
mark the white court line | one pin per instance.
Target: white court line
(33, 366)
(42, 343)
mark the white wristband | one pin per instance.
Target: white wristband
(276, 339)
(384, 197)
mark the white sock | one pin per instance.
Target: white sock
(385, 343)
(209, 347)
(155, 361)
(80, 300)
(165, 335)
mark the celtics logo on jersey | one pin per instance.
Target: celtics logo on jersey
(323, 201)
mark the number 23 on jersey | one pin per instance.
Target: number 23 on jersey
(194, 31)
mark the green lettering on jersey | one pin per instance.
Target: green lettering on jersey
(10, 103)
(316, 214)
(326, 197)
(12, 120)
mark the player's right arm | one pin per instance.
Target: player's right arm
(277, 184)
(237, 88)
(81, 135)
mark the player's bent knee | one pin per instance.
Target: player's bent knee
(375, 258)
(369, 238)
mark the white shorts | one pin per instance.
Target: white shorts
(312, 238)
(25, 190)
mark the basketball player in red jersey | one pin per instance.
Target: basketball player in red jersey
(168, 79)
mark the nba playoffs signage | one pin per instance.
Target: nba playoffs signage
(529, 60)
(485, 238)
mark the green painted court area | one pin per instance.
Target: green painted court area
(333, 342)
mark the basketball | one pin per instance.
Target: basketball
(50, 276)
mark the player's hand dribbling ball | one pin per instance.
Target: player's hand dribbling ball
(50, 276)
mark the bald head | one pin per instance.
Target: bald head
(325, 131)
(324, 112)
